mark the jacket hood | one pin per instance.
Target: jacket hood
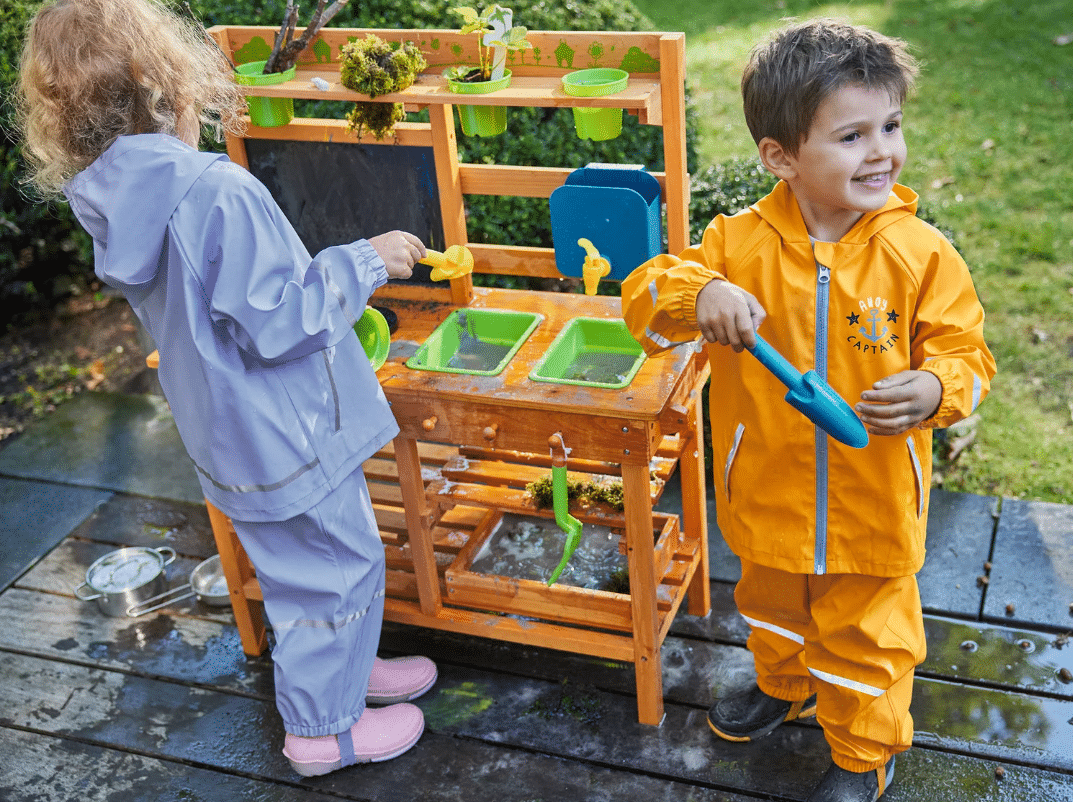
(780, 210)
(126, 198)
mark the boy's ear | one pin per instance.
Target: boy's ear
(777, 159)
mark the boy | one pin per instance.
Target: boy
(881, 306)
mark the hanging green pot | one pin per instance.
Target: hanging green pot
(480, 120)
(266, 112)
(596, 124)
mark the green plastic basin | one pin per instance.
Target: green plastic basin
(478, 341)
(593, 352)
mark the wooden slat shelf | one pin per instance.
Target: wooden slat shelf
(641, 95)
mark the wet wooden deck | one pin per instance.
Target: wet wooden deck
(167, 707)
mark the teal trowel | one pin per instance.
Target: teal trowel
(813, 397)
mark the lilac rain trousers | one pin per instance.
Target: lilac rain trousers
(322, 577)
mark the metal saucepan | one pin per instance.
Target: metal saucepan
(131, 582)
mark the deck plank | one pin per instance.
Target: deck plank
(44, 768)
(234, 735)
(1032, 575)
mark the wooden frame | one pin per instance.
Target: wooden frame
(426, 513)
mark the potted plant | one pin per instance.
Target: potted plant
(279, 67)
(373, 67)
(496, 36)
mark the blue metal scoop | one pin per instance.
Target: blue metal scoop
(813, 397)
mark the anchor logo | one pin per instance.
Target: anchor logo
(874, 308)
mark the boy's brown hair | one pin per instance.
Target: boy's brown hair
(788, 76)
(94, 70)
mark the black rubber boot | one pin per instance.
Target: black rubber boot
(751, 714)
(839, 785)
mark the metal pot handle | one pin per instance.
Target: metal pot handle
(78, 592)
(168, 549)
(164, 599)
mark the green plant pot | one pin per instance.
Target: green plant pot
(266, 112)
(481, 120)
(596, 124)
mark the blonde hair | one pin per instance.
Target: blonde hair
(94, 70)
(788, 76)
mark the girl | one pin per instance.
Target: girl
(271, 392)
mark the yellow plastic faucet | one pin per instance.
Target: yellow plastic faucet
(454, 262)
(595, 267)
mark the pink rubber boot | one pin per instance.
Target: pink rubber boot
(399, 679)
(380, 734)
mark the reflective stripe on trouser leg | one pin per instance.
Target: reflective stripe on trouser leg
(774, 603)
(322, 577)
(866, 638)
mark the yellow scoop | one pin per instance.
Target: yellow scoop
(454, 262)
(595, 267)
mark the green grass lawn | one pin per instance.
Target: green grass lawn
(990, 133)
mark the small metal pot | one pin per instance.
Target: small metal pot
(207, 582)
(125, 578)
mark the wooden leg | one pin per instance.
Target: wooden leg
(408, 462)
(639, 548)
(249, 617)
(695, 511)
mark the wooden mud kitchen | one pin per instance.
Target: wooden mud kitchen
(471, 441)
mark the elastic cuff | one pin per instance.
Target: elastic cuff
(947, 401)
(788, 689)
(334, 728)
(858, 766)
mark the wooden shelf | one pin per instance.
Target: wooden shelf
(641, 96)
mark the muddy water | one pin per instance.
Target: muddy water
(530, 547)
(600, 368)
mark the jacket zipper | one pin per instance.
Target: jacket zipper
(823, 283)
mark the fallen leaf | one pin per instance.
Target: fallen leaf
(987, 144)
(96, 374)
(1064, 39)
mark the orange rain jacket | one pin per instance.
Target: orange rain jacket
(892, 295)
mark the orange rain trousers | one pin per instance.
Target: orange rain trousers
(853, 640)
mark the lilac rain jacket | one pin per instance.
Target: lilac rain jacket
(272, 393)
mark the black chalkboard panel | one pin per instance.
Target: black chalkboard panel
(335, 192)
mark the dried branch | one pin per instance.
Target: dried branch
(290, 17)
(284, 57)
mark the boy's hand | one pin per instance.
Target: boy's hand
(728, 315)
(400, 251)
(899, 402)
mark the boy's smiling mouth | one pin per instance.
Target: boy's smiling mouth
(873, 179)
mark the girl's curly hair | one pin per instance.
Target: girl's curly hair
(94, 70)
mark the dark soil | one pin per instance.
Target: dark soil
(90, 342)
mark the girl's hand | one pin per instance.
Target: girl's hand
(899, 402)
(728, 315)
(400, 251)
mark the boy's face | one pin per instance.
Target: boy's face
(850, 160)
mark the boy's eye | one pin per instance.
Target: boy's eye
(851, 137)
(891, 127)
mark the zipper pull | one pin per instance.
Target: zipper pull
(825, 274)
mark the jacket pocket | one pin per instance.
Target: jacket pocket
(918, 475)
(730, 458)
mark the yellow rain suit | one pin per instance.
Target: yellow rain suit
(830, 537)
